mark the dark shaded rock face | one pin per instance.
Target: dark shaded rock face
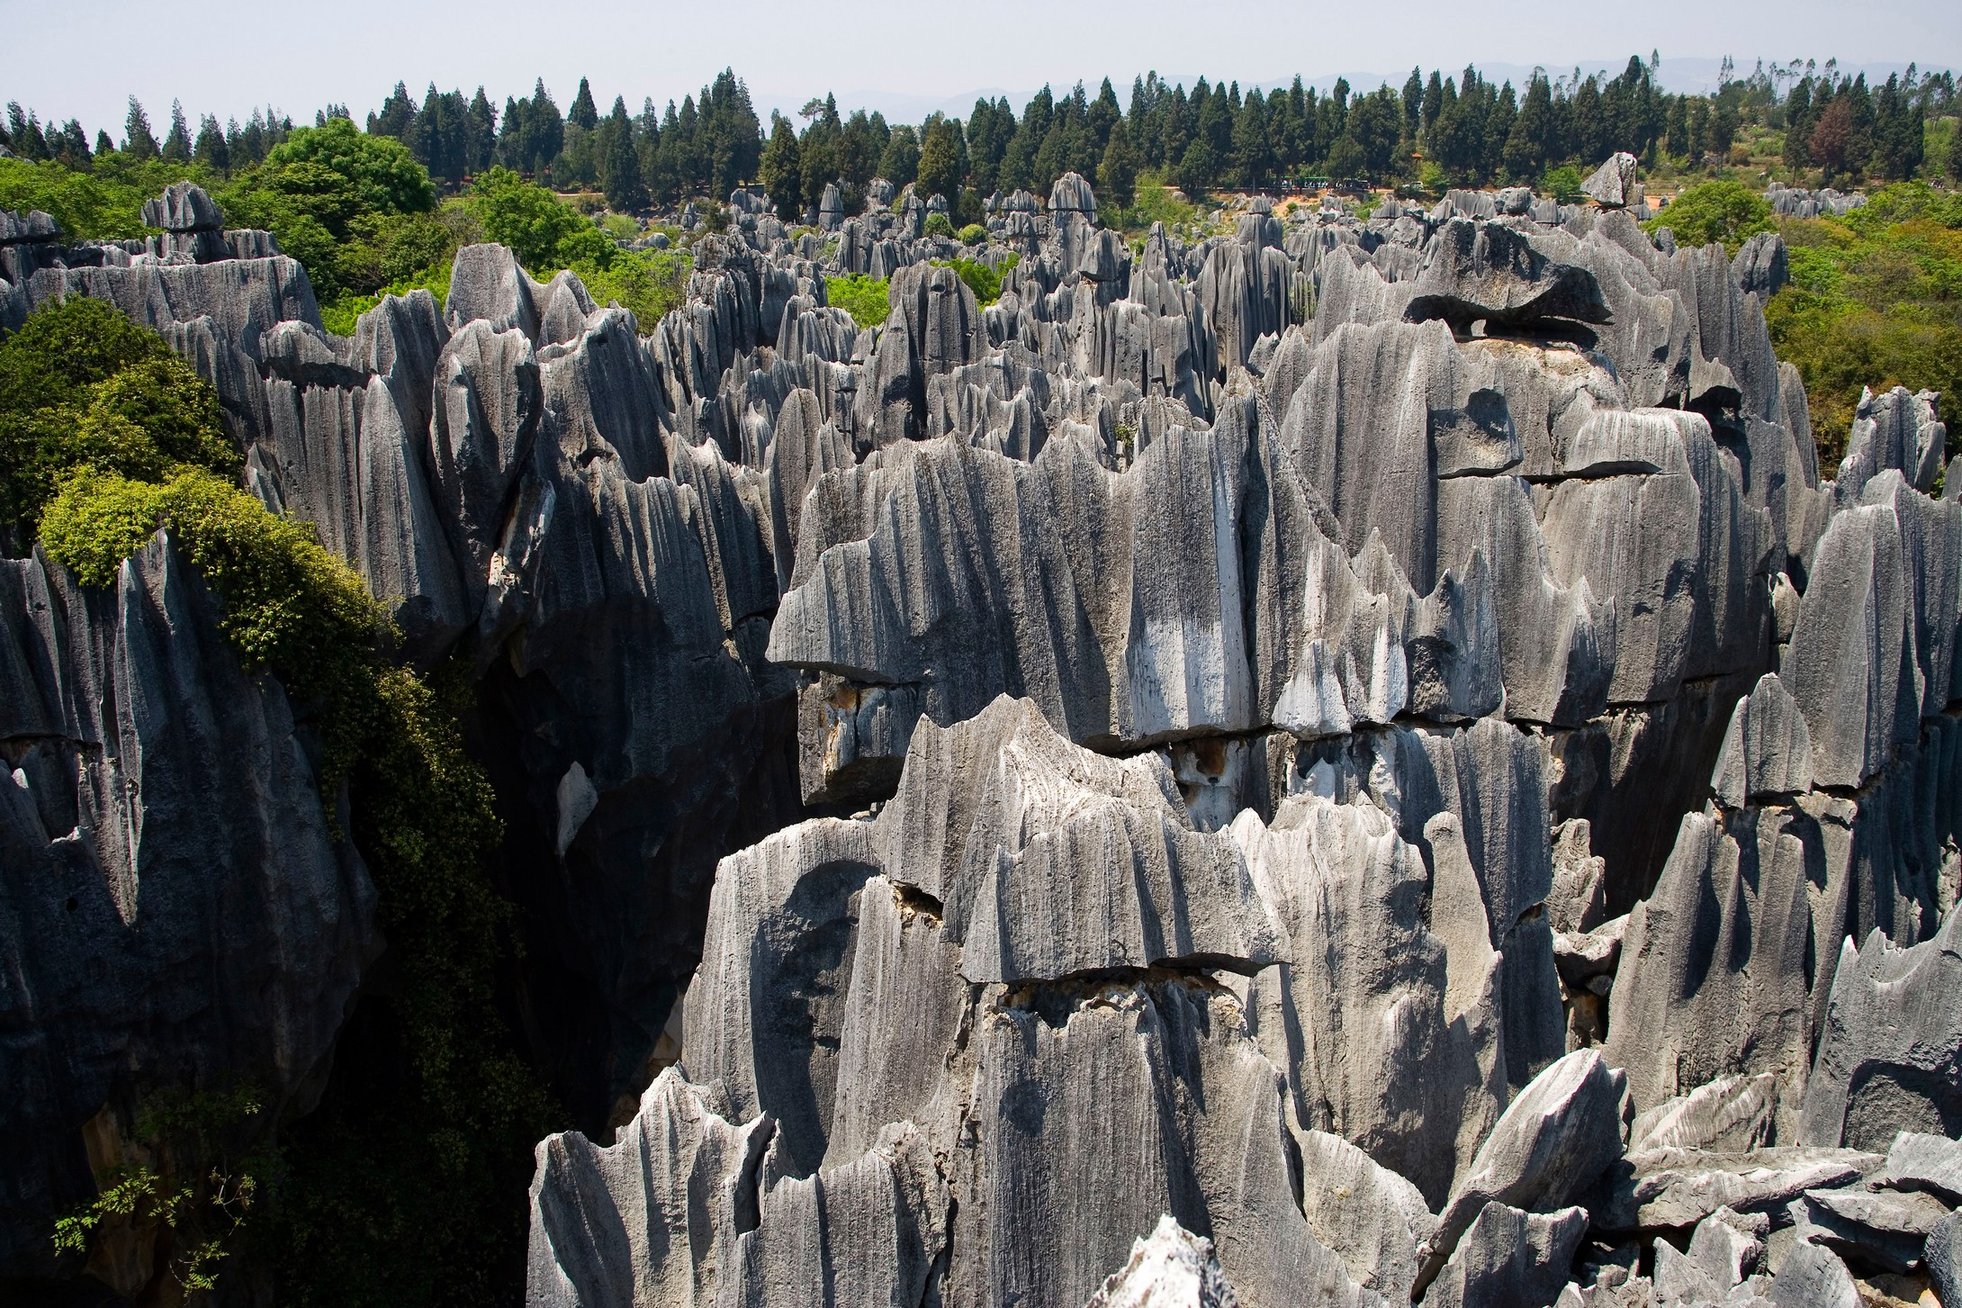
(153, 938)
(1434, 796)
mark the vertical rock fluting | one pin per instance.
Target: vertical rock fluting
(1284, 740)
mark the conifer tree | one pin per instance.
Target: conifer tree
(137, 137)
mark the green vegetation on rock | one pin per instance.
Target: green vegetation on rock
(984, 281)
(1875, 299)
(393, 1191)
(1723, 211)
(81, 385)
(864, 298)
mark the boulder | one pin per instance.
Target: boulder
(1551, 1144)
(1612, 185)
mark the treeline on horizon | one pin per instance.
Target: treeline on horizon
(1436, 130)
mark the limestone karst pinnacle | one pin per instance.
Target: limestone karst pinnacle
(1344, 761)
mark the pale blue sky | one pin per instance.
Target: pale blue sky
(82, 58)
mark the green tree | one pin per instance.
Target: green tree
(940, 153)
(900, 162)
(381, 173)
(584, 114)
(1196, 170)
(1798, 125)
(1117, 177)
(1730, 212)
(1253, 152)
(212, 151)
(137, 137)
(80, 384)
(543, 232)
(625, 192)
(1375, 124)
(781, 172)
(177, 143)
(1722, 128)
(1529, 143)
(1677, 140)
(1345, 158)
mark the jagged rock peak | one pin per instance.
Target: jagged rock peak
(183, 207)
(1170, 1268)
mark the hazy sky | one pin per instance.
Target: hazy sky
(82, 58)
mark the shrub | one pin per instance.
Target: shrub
(984, 281)
(973, 234)
(540, 230)
(865, 298)
(80, 384)
(1563, 184)
(1152, 203)
(1875, 299)
(649, 282)
(1724, 211)
(87, 206)
(939, 224)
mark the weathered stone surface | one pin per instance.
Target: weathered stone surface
(1677, 1188)
(183, 207)
(1767, 750)
(1813, 1277)
(486, 283)
(1374, 1218)
(1391, 1026)
(1725, 1248)
(1714, 976)
(1509, 1257)
(1551, 1144)
(1878, 1227)
(1919, 1161)
(1762, 267)
(1942, 1257)
(1170, 1268)
(1731, 1114)
(1383, 594)
(1484, 272)
(154, 938)
(1612, 185)
(648, 1218)
(1890, 1055)
(1895, 430)
(1850, 649)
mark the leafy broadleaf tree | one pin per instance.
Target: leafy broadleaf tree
(1729, 212)
(544, 233)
